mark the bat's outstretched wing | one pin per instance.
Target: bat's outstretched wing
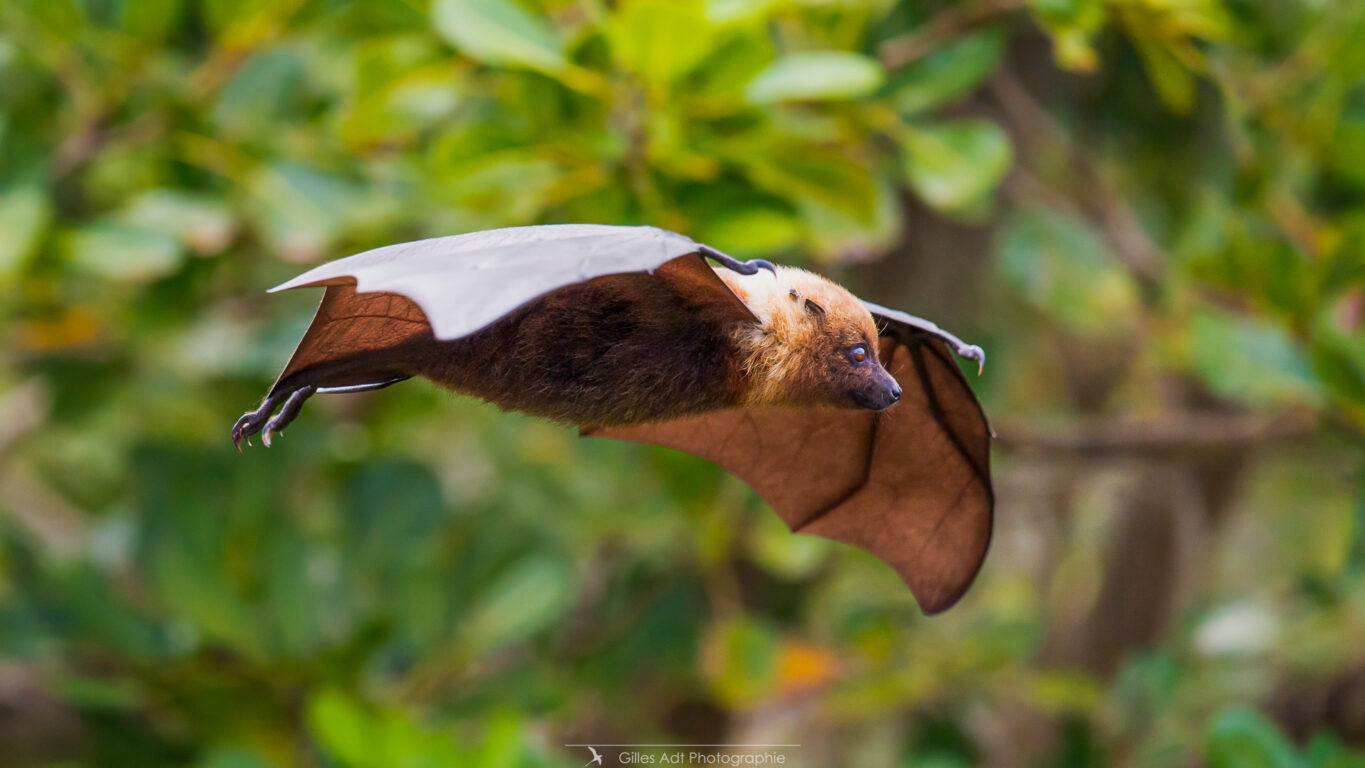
(465, 282)
(381, 303)
(910, 484)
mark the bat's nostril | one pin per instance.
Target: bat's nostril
(895, 393)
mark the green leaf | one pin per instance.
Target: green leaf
(154, 19)
(1173, 82)
(1062, 267)
(202, 223)
(1347, 157)
(396, 113)
(25, 213)
(1240, 738)
(834, 234)
(950, 74)
(509, 187)
(660, 40)
(345, 729)
(125, 252)
(527, 597)
(954, 166)
(751, 230)
(400, 85)
(1250, 359)
(1325, 750)
(262, 92)
(739, 11)
(731, 66)
(392, 505)
(499, 32)
(502, 744)
(301, 210)
(1072, 24)
(805, 173)
(739, 658)
(782, 553)
(232, 757)
(814, 76)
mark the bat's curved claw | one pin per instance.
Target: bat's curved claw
(287, 413)
(973, 352)
(251, 422)
(261, 421)
(749, 267)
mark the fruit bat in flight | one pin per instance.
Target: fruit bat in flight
(851, 420)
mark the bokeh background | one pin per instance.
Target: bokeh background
(1149, 212)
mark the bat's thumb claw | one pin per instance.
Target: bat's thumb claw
(973, 352)
(749, 267)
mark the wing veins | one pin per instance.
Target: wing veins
(857, 486)
(338, 318)
(941, 416)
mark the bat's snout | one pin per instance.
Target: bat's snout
(882, 392)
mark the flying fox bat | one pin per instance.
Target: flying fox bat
(778, 375)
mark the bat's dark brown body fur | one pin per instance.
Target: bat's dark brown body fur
(618, 350)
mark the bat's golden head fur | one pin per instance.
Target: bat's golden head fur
(814, 343)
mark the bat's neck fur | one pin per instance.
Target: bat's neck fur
(804, 324)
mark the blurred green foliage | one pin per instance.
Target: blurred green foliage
(1172, 189)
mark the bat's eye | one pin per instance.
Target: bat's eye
(858, 354)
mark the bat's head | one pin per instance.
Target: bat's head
(815, 343)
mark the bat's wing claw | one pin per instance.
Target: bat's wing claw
(749, 267)
(973, 352)
(960, 347)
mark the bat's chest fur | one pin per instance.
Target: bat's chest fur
(619, 350)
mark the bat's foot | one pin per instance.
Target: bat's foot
(749, 267)
(260, 420)
(252, 421)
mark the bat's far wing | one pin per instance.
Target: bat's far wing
(910, 484)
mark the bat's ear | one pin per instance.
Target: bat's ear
(815, 310)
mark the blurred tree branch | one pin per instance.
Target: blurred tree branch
(1037, 128)
(1170, 434)
(941, 29)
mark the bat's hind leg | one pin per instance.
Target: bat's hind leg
(261, 420)
(287, 413)
(749, 267)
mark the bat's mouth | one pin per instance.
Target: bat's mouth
(877, 397)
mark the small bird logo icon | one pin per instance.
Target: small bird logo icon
(596, 758)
